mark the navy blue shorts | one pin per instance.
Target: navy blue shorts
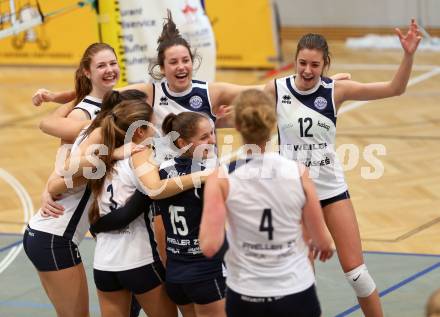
(49, 252)
(303, 304)
(331, 200)
(201, 293)
(138, 280)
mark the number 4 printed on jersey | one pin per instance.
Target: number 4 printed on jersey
(266, 223)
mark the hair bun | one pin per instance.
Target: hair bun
(255, 116)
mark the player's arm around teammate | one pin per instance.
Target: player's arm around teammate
(143, 163)
(58, 125)
(43, 95)
(51, 243)
(126, 261)
(97, 73)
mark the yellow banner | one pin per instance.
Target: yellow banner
(245, 33)
(111, 33)
(46, 32)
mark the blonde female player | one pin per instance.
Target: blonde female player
(264, 199)
(51, 242)
(307, 105)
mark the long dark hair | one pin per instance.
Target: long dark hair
(184, 123)
(110, 100)
(114, 127)
(169, 37)
(314, 41)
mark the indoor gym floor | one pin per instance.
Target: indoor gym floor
(398, 213)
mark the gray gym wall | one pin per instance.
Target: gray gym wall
(358, 13)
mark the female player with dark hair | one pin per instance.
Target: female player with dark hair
(195, 283)
(149, 180)
(97, 73)
(264, 198)
(51, 239)
(307, 106)
(68, 129)
(125, 261)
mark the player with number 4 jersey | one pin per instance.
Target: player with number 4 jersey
(264, 198)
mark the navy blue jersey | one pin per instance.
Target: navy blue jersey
(195, 99)
(181, 216)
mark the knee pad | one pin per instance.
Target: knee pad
(361, 281)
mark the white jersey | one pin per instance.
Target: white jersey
(90, 105)
(267, 255)
(74, 222)
(133, 246)
(307, 132)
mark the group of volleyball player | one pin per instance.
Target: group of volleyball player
(178, 232)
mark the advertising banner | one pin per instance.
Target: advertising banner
(141, 23)
(246, 33)
(46, 32)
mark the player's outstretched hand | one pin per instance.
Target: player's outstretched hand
(410, 41)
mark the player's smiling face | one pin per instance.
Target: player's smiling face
(309, 68)
(178, 67)
(202, 141)
(104, 71)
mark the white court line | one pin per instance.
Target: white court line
(412, 81)
(382, 67)
(28, 208)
